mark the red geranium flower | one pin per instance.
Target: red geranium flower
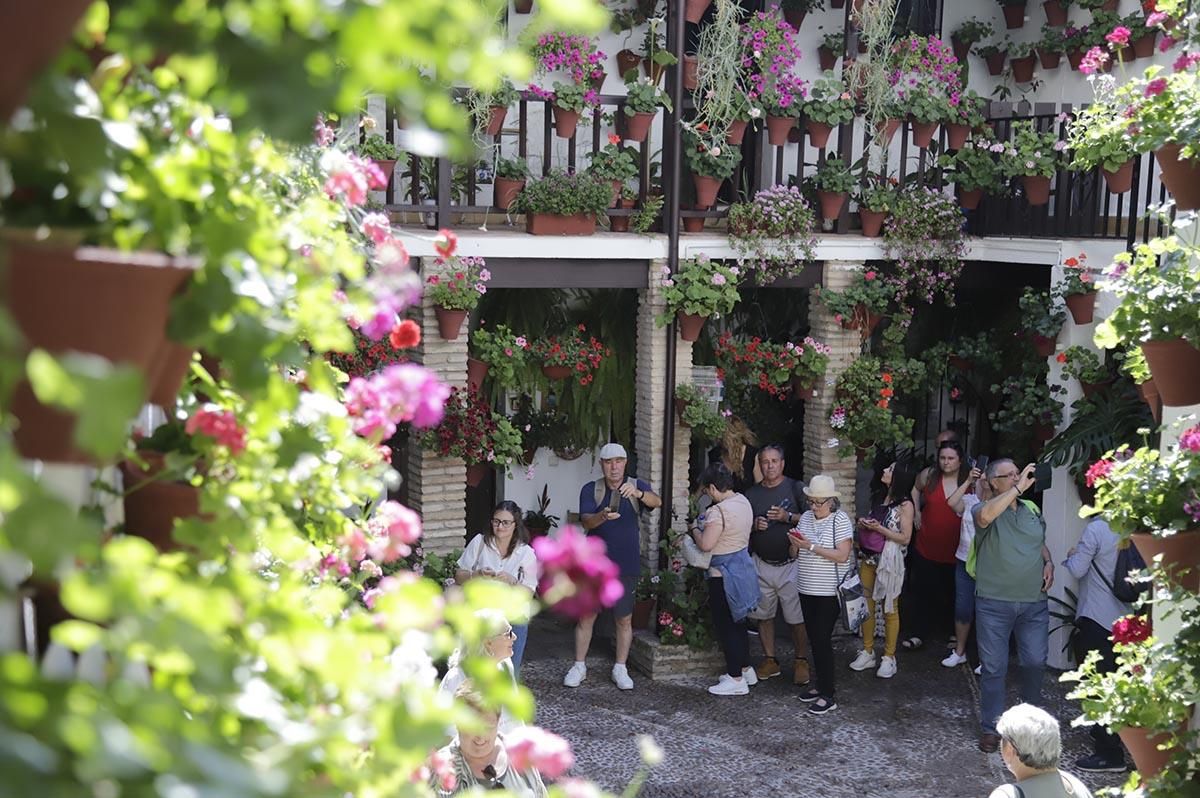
(404, 335)
(1131, 629)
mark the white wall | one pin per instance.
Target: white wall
(565, 478)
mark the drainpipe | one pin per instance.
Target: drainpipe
(672, 163)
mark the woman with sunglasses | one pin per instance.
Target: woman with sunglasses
(503, 553)
(497, 646)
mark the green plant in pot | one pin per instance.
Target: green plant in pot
(539, 428)
(511, 176)
(833, 45)
(862, 416)
(711, 163)
(563, 204)
(1022, 56)
(702, 287)
(863, 303)
(829, 105)
(503, 352)
(971, 31)
(1099, 138)
(833, 182)
(613, 164)
(774, 233)
(1051, 46)
(695, 411)
(876, 199)
(1078, 288)
(1027, 403)
(976, 170)
(472, 431)
(377, 148)
(1014, 12)
(642, 101)
(1085, 365)
(1041, 319)
(1038, 157)
(568, 100)
(453, 285)
(540, 521)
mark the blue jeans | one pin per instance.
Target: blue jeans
(522, 633)
(995, 622)
(964, 595)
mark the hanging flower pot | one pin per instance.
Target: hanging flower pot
(691, 72)
(1182, 178)
(872, 222)
(1179, 551)
(831, 203)
(890, 127)
(1022, 68)
(694, 10)
(961, 363)
(1143, 747)
(1043, 433)
(969, 198)
(495, 120)
(475, 474)
(777, 129)
(557, 372)
(1056, 15)
(388, 167)
(1043, 345)
(1082, 307)
(522, 6)
(1121, 180)
(1049, 59)
(837, 3)
(1149, 393)
(794, 17)
(706, 189)
(690, 325)
(565, 122)
(626, 60)
(653, 70)
(637, 127)
(1090, 389)
(922, 133)
(476, 372)
(1143, 46)
(818, 132)
(1175, 365)
(827, 57)
(737, 130)
(1109, 5)
(995, 63)
(1014, 16)
(172, 362)
(506, 190)
(956, 135)
(152, 505)
(1037, 189)
(449, 321)
(961, 49)
(596, 81)
(1075, 57)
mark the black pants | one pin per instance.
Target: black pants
(731, 635)
(1094, 637)
(933, 590)
(820, 615)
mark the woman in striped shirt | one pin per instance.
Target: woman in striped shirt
(821, 542)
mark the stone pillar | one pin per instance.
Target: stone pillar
(651, 402)
(437, 485)
(820, 449)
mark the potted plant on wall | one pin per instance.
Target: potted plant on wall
(875, 197)
(540, 521)
(794, 11)
(497, 102)
(862, 304)
(573, 353)
(1037, 159)
(1014, 13)
(472, 431)
(833, 45)
(701, 288)
(862, 417)
(1164, 109)
(1028, 404)
(774, 233)
(696, 412)
(711, 164)
(968, 33)
(1041, 319)
(770, 48)
(627, 201)
(1056, 12)
(994, 54)
(829, 105)
(964, 118)
(499, 352)
(1050, 47)
(975, 169)
(511, 175)
(1078, 289)
(833, 182)
(381, 151)
(563, 204)
(454, 285)
(1099, 137)
(642, 101)
(1021, 59)
(613, 164)
(1083, 364)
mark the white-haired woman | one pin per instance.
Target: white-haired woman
(498, 647)
(1030, 745)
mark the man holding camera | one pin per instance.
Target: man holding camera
(1013, 574)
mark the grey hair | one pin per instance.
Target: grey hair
(994, 466)
(1033, 733)
(772, 447)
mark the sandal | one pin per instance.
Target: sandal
(912, 643)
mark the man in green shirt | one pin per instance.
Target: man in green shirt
(1013, 574)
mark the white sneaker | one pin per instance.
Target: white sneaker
(727, 685)
(620, 677)
(954, 660)
(576, 675)
(750, 677)
(864, 660)
(978, 670)
(887, 668)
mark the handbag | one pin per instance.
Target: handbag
(850, 595)
(693, 555)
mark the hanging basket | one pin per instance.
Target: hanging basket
(1143, 46)
(626, 60)
(1022, 68)
(778, 128)
(827, 57)
(890, 127)
(1182, 178)
(995, 63)
(736, 132)
(1175, 365)
(690, 325)
(1082, 307)
(1014, 16)
(449, 322)
(557, 372)
(956, 135)
(961, 49)
(1121, 180)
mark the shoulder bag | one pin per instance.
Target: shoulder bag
(693, 555)
(851, 599)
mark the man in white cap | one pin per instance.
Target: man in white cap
(609, 508)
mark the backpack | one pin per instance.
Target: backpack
(973, 549)
(1128, 559)
(599, 489)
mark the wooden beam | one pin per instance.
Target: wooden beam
(566, 273)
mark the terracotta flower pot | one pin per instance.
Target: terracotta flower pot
(969, 199)
(794, 18)
(1082, 307)
(777, 129)
(922, 133)
(33, 35)
(1037, 189)
(476, 372)
(956, 135)
(151, 509)
(961, 49)
(653, 71)
(620, 224)
(557, 372)
(1175, 365)
(565, 122)
(818, 132)
(995, 63)
(1043, 345)
(706, 189)
(64, 299)
(1149, 393)
(388, 167)
(890, 127)
(496, 120)
(1143, 747)
(831, 203)
(736, 132)
(506, 191)
(475, 474)
(691, 72)
(1075, 58)
(550, 224)
(1049, 59)
(449, 321)
(1043, 433)
(961, 363)
(1179, 551)
(643, 611)
(1014, 16)
(522, 6)
(694, 224)
(837, 3)
(1182, 178)
(596, 81)
(171, 364)
(690, 326)
(627, 60)
(1143, 46)
(872, 222)
(1056, 15)
(1121, 180)
(827, 57)
(694, 9)
(637, 127)
(1022, 68)
(1109, 5)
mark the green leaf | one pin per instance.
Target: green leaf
(76, 635)
(103, 396)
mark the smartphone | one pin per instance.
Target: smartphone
(981, 462)
(614, 501)
(1043, 476)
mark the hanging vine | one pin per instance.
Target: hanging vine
(868, 77)
(720, 90)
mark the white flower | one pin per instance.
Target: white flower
(755, 113)
(652, 753)
(715, 152)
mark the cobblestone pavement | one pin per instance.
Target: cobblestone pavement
(912, 736)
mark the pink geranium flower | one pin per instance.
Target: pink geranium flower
(577, 579)
(401, 392)
(220, 425)
(532, 748)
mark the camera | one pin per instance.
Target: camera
(1043, 477)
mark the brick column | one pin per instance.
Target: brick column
(651, 401)
(437, 486)
(820, 457)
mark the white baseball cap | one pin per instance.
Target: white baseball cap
(611, 451)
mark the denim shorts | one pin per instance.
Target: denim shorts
(964, 593)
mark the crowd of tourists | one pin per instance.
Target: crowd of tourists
(946, 550)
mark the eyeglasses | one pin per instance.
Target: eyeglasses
(1011, 475)
(508, 633)
(500, 522)
(817, 502)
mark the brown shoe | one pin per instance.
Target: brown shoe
(989, 743)
(801, 675)
(767, 668)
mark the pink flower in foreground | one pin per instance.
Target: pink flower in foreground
(377, 227)
(1155, 19)
(1094, 61)
(1118, 36)
(1156, 87)
(1189, 441)
(400, 392)
(442, 765)
(577, 578)
(1098, 471)
(393, 530)
(531, 748)
(1186, 61)
(220, 425)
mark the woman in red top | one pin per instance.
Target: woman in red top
(933, 559)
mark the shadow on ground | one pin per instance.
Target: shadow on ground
(912, 736)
